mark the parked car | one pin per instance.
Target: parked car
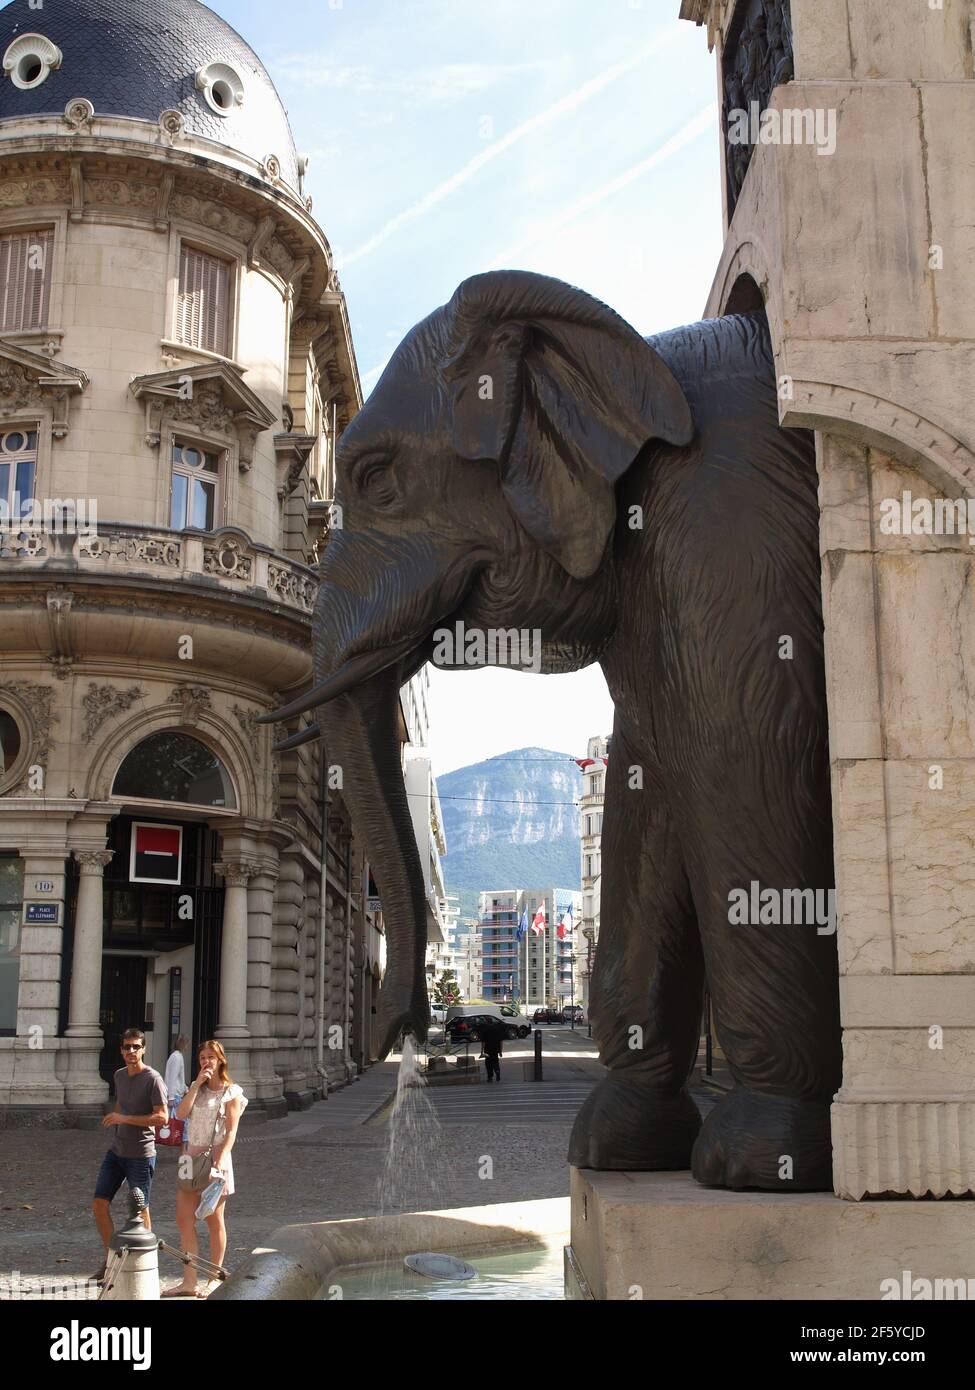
(462, 1019)
(572, 1011)
(438, 1012)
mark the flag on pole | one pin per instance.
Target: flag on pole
(538, 922)
(522, 926)
(566, 925)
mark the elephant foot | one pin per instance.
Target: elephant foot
(628, 1125)
(773, 1143)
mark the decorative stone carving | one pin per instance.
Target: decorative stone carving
(228, 559)
(93, 862)
(31, 46)
(120, 193)
(171, 124)
(18, 391)
(279, 257)
(23, 545)
(29, 380)
(258, 241)
(192, 700)
(758, 58)
(24, 192)
(104, 702)
(212, 214)
(205, 408)
(271, 168)
(247, 719)
(291, 587)
(37, 699)
(78, 113)
(59, 603)
(77, 182)
(236, 873)
(127, 548)
(163, 197)
(220, 403)
(292, 452)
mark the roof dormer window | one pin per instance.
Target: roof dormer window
(30, 59)
(222, 87)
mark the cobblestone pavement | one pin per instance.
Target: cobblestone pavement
(322, 1164)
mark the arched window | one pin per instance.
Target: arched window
(10, 741)
(171, 766)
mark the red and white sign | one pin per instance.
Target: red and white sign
(156, 855)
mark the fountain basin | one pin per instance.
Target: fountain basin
(304, 1261)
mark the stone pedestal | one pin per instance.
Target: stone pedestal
(872, 313)
(663, 1236)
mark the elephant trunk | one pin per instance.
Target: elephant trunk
(362, 736)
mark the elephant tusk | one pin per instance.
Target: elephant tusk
(296, 740)
(352, 673)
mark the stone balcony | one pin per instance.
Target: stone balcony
(226, 559)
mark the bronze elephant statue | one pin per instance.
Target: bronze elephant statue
(528, 461)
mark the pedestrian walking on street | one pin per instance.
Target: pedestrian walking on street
(176, 1072)
(491, 1049)
(140, 1104)
(213, 1106)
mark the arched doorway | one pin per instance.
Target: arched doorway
(163, 908)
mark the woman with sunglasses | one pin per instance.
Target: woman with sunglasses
(213, 1106)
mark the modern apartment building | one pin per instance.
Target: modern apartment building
(533, 967)
(593, 769)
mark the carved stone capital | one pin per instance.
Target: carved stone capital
(236, 873)
(92, 863)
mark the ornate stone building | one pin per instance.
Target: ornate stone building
(175, 354)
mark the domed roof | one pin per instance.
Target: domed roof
(141, 57)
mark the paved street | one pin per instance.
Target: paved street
(335, 1160)
(326, 1163)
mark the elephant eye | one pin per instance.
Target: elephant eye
(374, 480)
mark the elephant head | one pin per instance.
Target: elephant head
(475, 485)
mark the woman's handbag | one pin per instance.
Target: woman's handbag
(199, 1176)
(172, 1132)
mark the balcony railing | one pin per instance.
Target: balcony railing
(225, 559)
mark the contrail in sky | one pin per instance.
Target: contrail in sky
(697, 125)
(568, 103)
(704, 120)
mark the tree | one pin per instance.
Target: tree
(446, 990)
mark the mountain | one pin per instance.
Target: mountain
(511, 822)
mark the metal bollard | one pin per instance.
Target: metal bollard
(538, 1056)
(133, 1265)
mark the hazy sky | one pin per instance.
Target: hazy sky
(447, 137)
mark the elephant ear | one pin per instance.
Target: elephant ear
(563, 394)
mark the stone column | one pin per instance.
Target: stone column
(86, 960)
(260, 903)
(900, 677)
(35, 1079)
(232, 1013)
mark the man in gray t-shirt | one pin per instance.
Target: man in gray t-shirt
(140, 1104)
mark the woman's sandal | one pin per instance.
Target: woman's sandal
(177, 1291)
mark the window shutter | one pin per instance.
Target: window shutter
(202, 314)
(26, 290)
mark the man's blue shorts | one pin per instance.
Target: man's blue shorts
(115, 1170)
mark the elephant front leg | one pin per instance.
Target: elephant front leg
(647, 987)
(765, 825)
